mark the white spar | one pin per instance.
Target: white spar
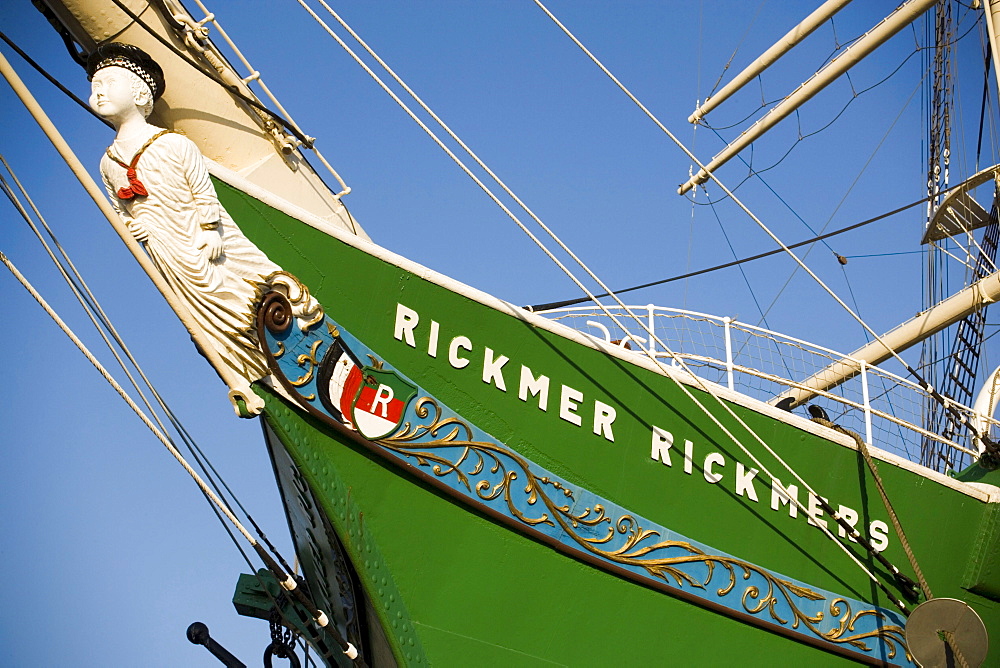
(911, 332)
(874, 38)
(768, 58)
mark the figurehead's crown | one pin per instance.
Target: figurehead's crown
(132, 58)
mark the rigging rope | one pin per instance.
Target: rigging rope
(653, 337)
(102, 323)
(51, 79)
(897, 526)
(32, 106)
(287, 580)
(869, 221)
(97, 316)
(900, 534)
(991, 447)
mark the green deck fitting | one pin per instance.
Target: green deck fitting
(256, 595)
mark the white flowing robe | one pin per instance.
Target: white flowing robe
(222, 295)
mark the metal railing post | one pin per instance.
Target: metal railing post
(652, 337)
(867, 403)
(729, 352)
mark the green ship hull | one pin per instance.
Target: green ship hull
(469, 483)
(452, 580)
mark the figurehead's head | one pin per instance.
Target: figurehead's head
(144, 75)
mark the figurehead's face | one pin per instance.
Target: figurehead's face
(116, 94)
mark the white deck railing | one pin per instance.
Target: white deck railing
(885, 409)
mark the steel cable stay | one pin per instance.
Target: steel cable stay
(736, 50)
(843, 198)
(913, 372)
(991, 448)
(286, 579)
(920, 380)
(283, 573)
(96, 313)
(106, 329)
(904, 582)
(857, 178)
(757, 173)
(751, 258)
(51, 79)
(102, 323)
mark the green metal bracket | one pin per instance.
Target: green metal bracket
(257, 595)
(977, 472)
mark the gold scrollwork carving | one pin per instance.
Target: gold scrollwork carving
(276, 312)
(641, 548)
(297, 295)
(311, 360)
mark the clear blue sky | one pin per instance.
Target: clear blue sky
(109, 549)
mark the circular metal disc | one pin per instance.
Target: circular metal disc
(926, 628)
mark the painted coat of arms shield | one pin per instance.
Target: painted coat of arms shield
(380, 403)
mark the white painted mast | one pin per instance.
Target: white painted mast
(993, 28)
(899, 19)
(958, 213)
(911, 332)
(989, 396)
(986, 405)
(768, 58)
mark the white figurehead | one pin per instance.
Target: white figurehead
(159, 185)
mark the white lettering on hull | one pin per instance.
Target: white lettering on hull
(782, 496)
(662, 440)
(711, 459)
(459, 343)
(573, 404)
(493, 369)
(714, 465)
(536, 387)
(432, 340)
(569, 400)
(406, 322)
(688, 456)
(744, 482)
(604, 417)
(851, 517)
